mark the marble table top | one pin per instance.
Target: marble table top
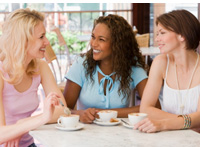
(93, 135)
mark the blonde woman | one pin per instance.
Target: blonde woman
(23, 44)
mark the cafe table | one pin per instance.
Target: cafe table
(93, 135)
(149, 51)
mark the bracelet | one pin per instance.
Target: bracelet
(187, 121)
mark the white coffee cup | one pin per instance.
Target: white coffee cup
(107, 115)
(136, 117)
(69, 121)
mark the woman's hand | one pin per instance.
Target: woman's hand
(49, 105)
(13, 143)
(149, 125)
(88, 115)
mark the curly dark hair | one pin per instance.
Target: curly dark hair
(125, 52)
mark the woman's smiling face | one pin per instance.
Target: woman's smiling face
(167, 40)
(101, 42)
(37, 46)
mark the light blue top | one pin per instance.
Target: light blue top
(92, 94)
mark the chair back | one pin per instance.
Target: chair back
(59, 35)
(143, 40)
(62, 42)
(50, 56)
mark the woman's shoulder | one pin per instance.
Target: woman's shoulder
(159, 65)
(78, 62)
(138, 71)
(41, 64)
(77, 66)
(161, 57)
(79, 59)
(160, 60)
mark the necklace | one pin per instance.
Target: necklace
(179, 95)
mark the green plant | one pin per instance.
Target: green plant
(74, 45)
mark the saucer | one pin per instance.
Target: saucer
(99, 122)
(78, 127)
(128, 126)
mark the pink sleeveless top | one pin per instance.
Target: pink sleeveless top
(19, 105)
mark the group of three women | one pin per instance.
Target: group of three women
(102, 78)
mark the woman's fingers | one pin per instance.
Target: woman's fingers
(92, 114)
(53, 98)
(137, 125)
(88, 115)
(147, 125)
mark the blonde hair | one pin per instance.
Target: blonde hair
(17, 30)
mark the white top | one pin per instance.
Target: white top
(171, 101)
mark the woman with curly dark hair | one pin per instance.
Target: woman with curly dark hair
(104, 77)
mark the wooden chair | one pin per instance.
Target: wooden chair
(50, 56)
(62, 42)
(143, 40)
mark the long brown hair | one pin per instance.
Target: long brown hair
(125, 52)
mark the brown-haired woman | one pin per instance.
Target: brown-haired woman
(104, 77)
(178, 37)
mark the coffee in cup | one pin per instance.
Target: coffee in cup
(107, 115)
(136, 117)
(68, 121)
